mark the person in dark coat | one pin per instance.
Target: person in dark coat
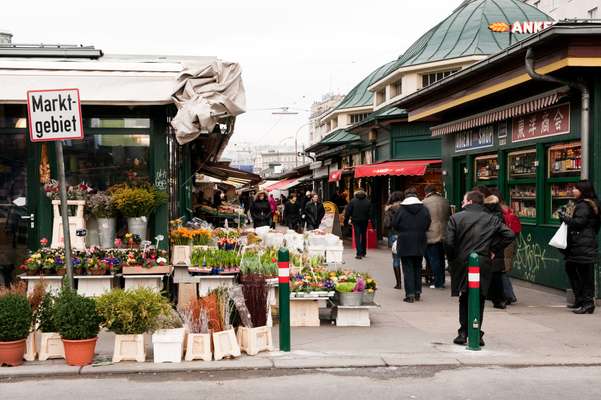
(292, 213)
(260, 210)
(496, 293)
(582, 251)
(390, 211)
(411, 223)
(359, 212)
(314, 213)
(303, 200)
(473, 230)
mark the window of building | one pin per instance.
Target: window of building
(397, 88)
(356, 118)
(380, 97)
(593, 13)
(429, 79)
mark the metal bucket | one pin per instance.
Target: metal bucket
(106, 232)
(350, 299)
(137, 226)
(368, 297)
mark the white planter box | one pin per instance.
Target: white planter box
(225, 344)
(30, 349)
(129, 348)
(94, 285)
(210, 282)
(51, 283)
(49, 345)
(334, 256)
(168, 345)
(255, 340)
(180, 255)
(304, 312)
(198, 347)
(353, 315)
(154, 282)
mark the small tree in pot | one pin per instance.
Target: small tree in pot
(78, 323)
(15, 324)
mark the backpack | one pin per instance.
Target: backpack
(512, 221)
(388, 218)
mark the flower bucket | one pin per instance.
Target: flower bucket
(350, 299)
(106, 232)
(368, 297)
(137, 226)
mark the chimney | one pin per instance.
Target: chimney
(5, 37)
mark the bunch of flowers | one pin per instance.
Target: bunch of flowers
(77, 192)
(223, 233)
(201, 237)
(181, 236)
(132, 240)
(227, 243)
(101, 205)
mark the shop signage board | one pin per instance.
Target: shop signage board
(520, 27)
(474, 139)
(54, 115)
(549, 122)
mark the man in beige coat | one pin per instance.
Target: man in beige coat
(439, 210)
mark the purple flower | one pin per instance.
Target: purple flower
(329, 284)
(59, 260)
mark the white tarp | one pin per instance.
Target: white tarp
(205, 94)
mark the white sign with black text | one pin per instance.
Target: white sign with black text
(54, 115)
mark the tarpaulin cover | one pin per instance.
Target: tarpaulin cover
(396, 168)
(205, 94)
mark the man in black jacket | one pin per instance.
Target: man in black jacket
(359, 212)
(473, 230)
(314, 213)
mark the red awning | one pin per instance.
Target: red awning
(283, 184)
(395, 168)
(335, 176)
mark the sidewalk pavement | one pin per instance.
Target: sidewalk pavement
(538, 330)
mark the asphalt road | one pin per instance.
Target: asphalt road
(431, 383)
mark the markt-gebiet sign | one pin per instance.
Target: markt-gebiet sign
(54, 115)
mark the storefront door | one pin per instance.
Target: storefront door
(18, 200)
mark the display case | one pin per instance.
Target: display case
(522, 164)
(564, 160)
(561, 196)
(487, 168)
(523, 200)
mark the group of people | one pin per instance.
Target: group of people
(300, 212)
(486, 226)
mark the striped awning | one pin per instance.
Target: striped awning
(512, 110)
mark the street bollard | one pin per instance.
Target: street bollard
(284, 289)
(473, 314)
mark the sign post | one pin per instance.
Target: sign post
(284, 289)
(55, 115)
(473, 314)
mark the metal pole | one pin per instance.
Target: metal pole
(64, 209)
(284, 289)
(473, 314)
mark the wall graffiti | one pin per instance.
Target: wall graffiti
(531, 258)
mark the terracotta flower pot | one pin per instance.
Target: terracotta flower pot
(11, 353)
(79, 352)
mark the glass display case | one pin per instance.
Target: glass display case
(522, 200)
(487, 168)
(522, 164)
(561, 196)
(564, 160)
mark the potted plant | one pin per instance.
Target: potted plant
(130, 314)
(350, 293)
(103, 209)
(181, 251)
(15, 325)
(32, 265)
(168, 339)
(137, 204)
(198, 341)
(78, 324)
(225, 343)
(370, 290)
(47, 339)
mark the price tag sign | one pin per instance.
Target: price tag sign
(54, 115)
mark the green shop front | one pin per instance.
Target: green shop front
(503, 128)
(126, 109)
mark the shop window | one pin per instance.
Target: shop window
(522, 164)
(522, 167)
(104, 160)
(565, 160)
(13, 116)
(487, 168)
(133, 123)
(563, 172)
(523, 200)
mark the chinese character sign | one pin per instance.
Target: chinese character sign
(549, 122)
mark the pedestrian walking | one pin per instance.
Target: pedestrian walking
(439, 210)
(273, 204)
(260, 210)
(513, 222)
(314, 213)
(411, 223)
(303, 203)
(473, 230)
(359, 212)
(292, 213)
(496, 293)
(390, 211)
(582, 251)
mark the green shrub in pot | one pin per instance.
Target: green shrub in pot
(15, 325)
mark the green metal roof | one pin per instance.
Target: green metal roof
(384, 113)
(335, 138)
(465, 32)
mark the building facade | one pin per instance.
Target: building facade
(569, 9)
(318, 129)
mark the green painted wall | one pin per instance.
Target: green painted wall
(413, 141)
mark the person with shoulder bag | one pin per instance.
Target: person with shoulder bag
(581, 252)
(394, 203)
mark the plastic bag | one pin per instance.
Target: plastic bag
(560, 239)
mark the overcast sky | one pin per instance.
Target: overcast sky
(291, 52)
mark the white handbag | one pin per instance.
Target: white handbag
(394, 248)
(560, 239)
